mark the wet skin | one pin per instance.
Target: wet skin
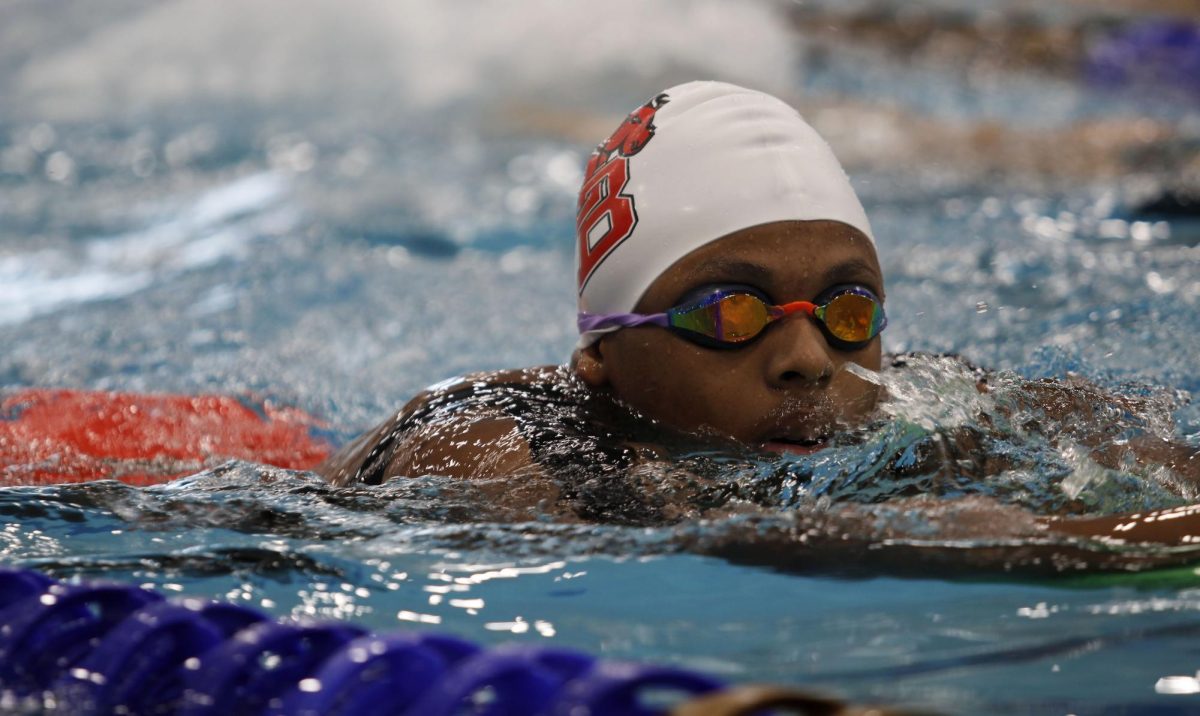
(786, 390)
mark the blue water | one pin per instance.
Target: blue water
(336, 208)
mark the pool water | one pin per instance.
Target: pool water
(334, 209)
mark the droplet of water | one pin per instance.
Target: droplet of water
(865, 373)
(60, 167)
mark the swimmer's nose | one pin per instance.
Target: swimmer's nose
(799, 354)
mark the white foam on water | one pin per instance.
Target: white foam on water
(29, 285)
(217, 225)
(420, 54)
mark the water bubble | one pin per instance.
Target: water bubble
(397, 256)
(1046, 227)
(60, 167)
(564, 170)
(1141, 232)
(1159, 284)
(515, 261)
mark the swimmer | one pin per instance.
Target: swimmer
(727, 275)
(729, 298)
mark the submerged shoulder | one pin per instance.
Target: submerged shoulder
(467, 446)
(461, 427)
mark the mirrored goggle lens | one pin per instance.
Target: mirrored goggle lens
(731, 319)
(851, 317)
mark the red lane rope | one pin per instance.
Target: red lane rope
(58, 435)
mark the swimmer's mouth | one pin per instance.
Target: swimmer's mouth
(796, 446)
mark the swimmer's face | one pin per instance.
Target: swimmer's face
(787, 390)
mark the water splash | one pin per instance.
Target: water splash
(187, 236)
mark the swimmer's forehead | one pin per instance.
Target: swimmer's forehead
(784, 258)
(736, 270)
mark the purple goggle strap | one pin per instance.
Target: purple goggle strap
(599, 321)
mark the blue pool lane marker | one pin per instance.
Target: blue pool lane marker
(95, 648)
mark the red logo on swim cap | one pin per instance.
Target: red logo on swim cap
(606, 217)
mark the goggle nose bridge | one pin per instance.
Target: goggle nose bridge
(808, 308)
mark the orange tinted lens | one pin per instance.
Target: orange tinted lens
(742, 317)
(851, 317)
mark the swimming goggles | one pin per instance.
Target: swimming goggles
(849, 316)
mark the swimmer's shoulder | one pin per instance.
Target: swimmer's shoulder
(452, 428)
(535, 375)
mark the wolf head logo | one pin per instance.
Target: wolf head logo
(633, 134)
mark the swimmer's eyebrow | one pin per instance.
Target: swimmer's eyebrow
(852, 269)
(735, 271)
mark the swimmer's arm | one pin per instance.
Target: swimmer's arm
(921, 537)
(1173, 527)
(1080, 404)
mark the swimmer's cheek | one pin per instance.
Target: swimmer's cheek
(479, 448)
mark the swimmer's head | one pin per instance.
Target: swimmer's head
(695, 163)
(712, 187)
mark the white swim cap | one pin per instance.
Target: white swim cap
(695, 163)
